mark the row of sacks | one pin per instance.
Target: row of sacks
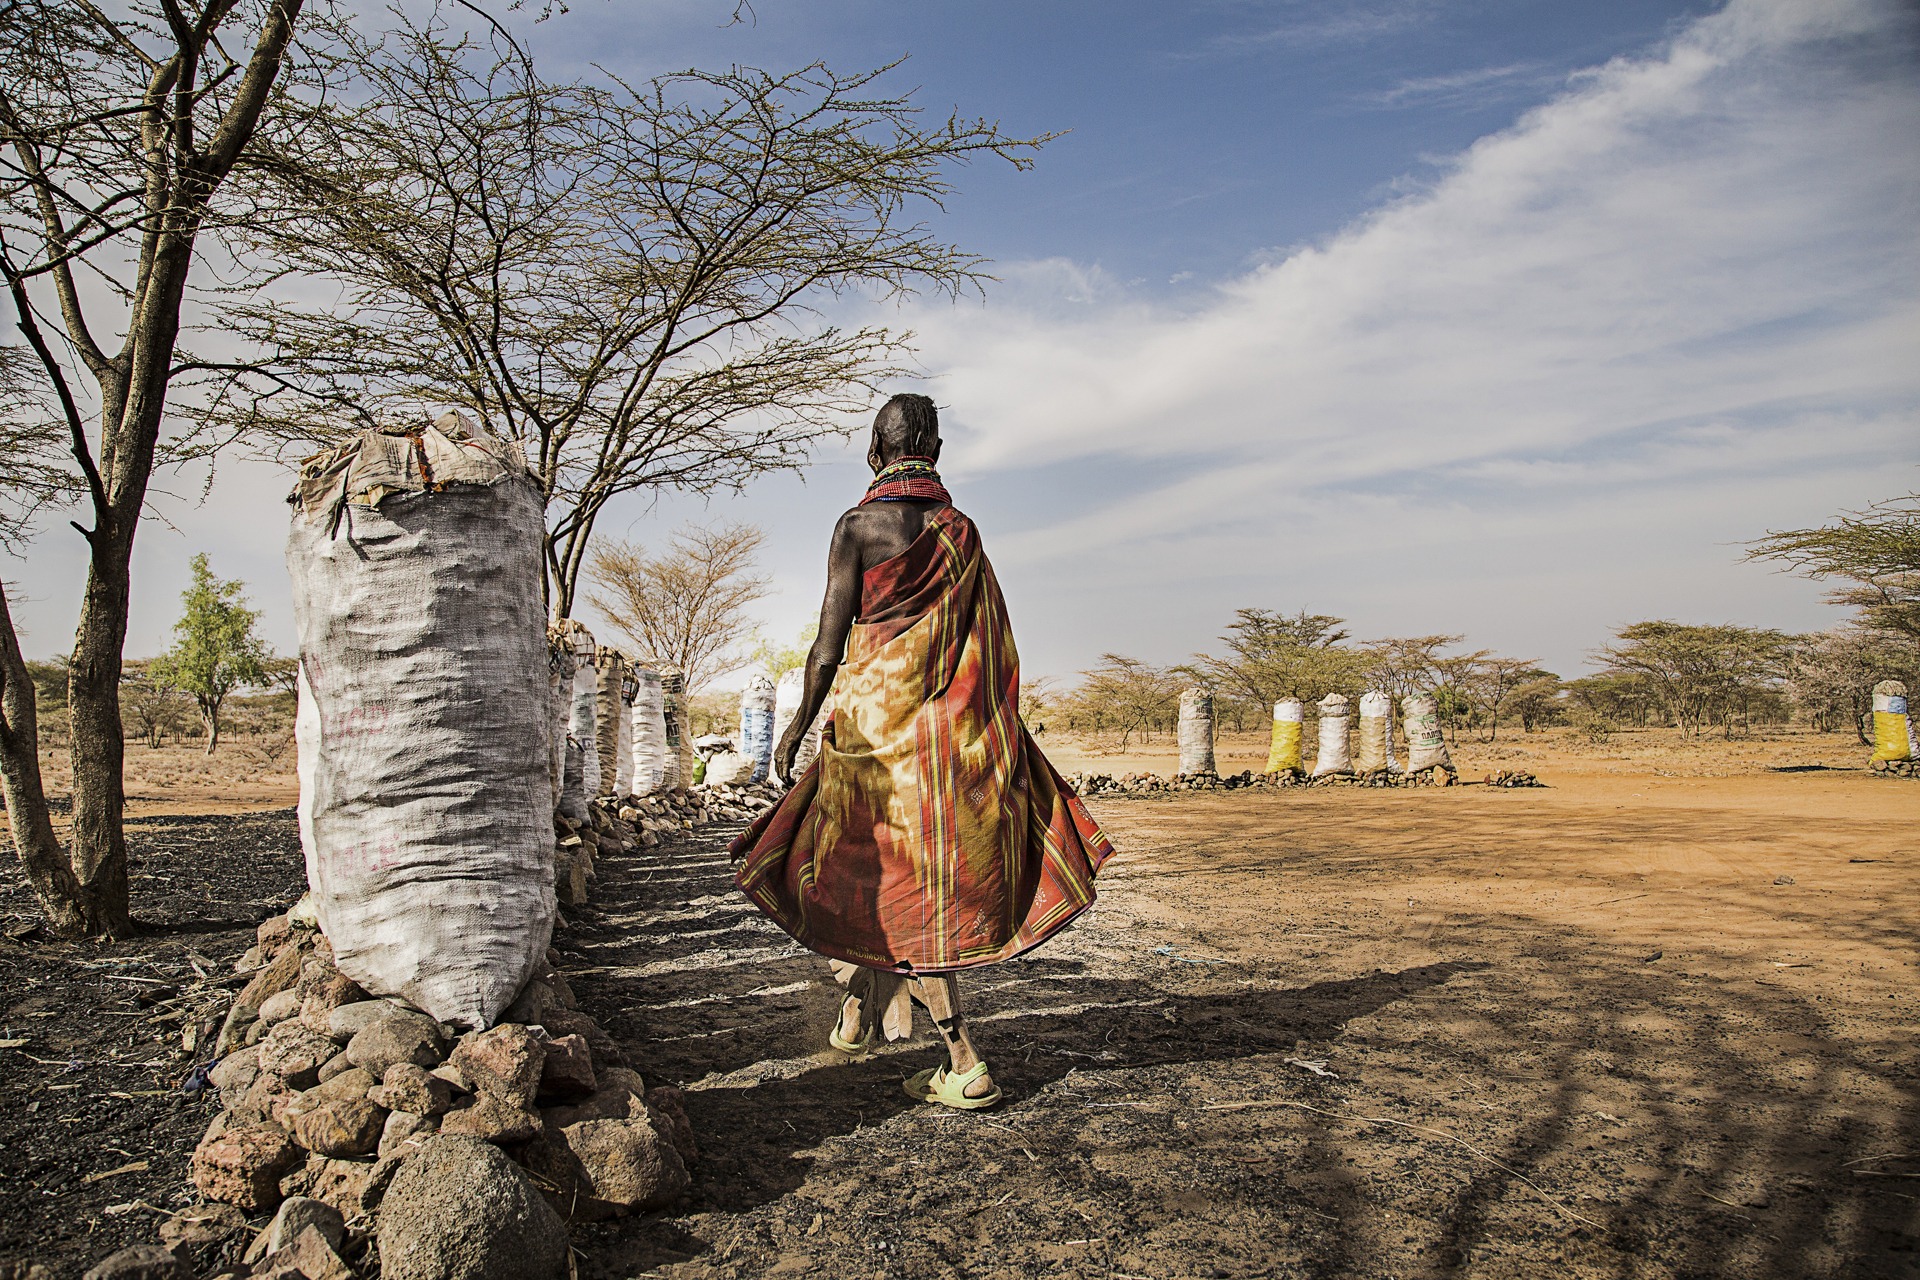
(1343, 750)
(618, 728)
(624, 731)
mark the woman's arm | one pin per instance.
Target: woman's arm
(837, 612)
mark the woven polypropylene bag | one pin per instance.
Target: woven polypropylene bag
(1195, 732)
(610, 670)
(1426, 746)
(623, 732)
(1892, 738)
(787, 692)
(1283, 756)
(585, 722)
(1373, 752)
(756, 725)
(1335, 717)
(560, 666)
(424, 732)
(649, 734)
(673, 698)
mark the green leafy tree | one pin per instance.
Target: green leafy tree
(215, 651)
(777, 659)
(1489, 683)
(1830, 675)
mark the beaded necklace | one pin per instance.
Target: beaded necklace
(907, 480)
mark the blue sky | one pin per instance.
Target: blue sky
(1504, 318)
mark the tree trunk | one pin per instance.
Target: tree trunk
(210, 720)
(98, 743)
(45, 862)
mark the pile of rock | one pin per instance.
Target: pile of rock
(1895, 768)
(613, 826)
(656, 816)
(380, 1139)
(1434, 776)
(1512, 778)
(1146, 784)
(329, 1095)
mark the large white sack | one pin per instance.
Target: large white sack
(1335, 717)
(787, 692)
(756, 725)
(1195, 732)
(649, 734)
(426, 795)
(609, 671)
(584, 724)
(728, 768)
(623, 733)
(1374, 751)
(1426, 745)
(560, 666)
(673, 694)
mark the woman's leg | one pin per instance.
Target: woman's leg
(941, 998)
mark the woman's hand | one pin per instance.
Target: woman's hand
(789, 747)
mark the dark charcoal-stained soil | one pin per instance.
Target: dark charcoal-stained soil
(1326, 1036)
(95, 1131)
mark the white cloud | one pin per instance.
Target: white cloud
(1475, 87)
(1692, 275)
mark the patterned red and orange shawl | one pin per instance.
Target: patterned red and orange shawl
(930, 834)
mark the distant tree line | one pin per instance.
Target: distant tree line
(1699, 678)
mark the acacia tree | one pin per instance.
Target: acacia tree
(1272, 656)
(1876, 552)
(1489, 681)
(625, 278)
(215, 650)
(686, 607)
(1126, 694)
(149, 708)
(1700, 674)
(117, 131)
(1830, 674)
(1536, 700)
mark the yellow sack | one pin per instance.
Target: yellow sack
(1891, 740)
(1284, 755)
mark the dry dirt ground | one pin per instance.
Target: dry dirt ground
(1655, 1020)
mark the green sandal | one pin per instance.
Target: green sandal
(937, 1084)
(841, 1043)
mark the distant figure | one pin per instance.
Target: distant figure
(930, 835)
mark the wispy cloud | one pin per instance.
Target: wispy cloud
(1305, 24)
(1672, 306)
(1473, 88)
